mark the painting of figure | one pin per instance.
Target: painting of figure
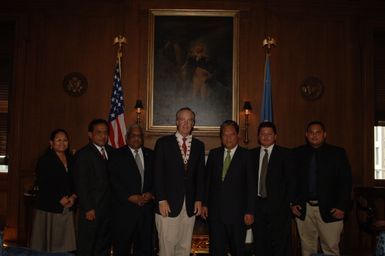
(194, 65)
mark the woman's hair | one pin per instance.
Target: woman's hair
(55, 132)
(53, 135)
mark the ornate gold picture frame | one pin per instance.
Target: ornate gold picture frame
(192, 62)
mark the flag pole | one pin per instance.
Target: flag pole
(268, 43)
(119, 40)
(266, 107)
(117, 125)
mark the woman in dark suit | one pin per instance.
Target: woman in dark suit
(53, 226)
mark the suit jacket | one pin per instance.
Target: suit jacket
(172, 182)
(229, 200)
(278, 180)
(334, 180)
(126, 180)
(91, 179)
(54, 182)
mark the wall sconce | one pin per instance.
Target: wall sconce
(138, 106)
(247, 108)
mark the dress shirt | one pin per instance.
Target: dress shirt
(100, 150)
(179, 138)
(232, 152)
(140, 152)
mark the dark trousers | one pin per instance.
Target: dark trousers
(134, 233)
(227, 237)
(94, 237)
(271, 230)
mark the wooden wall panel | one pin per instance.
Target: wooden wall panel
(3, 196)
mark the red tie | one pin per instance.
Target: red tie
(103, 153)
(184, 146)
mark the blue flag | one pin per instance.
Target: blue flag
(267, 106)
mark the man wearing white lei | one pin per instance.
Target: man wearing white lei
(179, 185)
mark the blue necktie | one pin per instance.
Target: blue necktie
(312, 178)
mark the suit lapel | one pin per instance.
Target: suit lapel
(97, 152)
(271, 170)
(131, 159)
(177, 152)
(220, 160)
(272, 157)
(146, 167)
(192, 155)
(258, 153)
(145, 160)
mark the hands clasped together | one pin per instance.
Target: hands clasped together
(141, 199)
(68, 201)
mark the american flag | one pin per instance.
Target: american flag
(116, 117)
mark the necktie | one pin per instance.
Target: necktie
(226, 164)
(262, 176)
(312, 179)
(184, 146)
(140, 166)
(103, 153)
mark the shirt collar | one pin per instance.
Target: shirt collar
(99, 147)
(133, 150)
(269, 148)
(231, 150)
(180, 137)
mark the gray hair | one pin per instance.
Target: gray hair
(134, 126)
(187, 109)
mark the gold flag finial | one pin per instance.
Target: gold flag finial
(268, 43)
(120, 40)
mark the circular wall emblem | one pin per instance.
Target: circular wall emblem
(312, 88)
(75, 84)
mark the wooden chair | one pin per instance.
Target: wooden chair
(370, 214)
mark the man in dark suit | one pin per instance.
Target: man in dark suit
(273, 166)
(179, 185)
(131, 170)
(92, 187)
(230, 193)
(322, 194)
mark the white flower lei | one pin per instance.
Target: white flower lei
(188, 145)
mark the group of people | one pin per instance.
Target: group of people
(118, 191)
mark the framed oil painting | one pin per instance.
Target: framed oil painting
(192, 62)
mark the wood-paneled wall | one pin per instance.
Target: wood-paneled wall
(53, 38)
